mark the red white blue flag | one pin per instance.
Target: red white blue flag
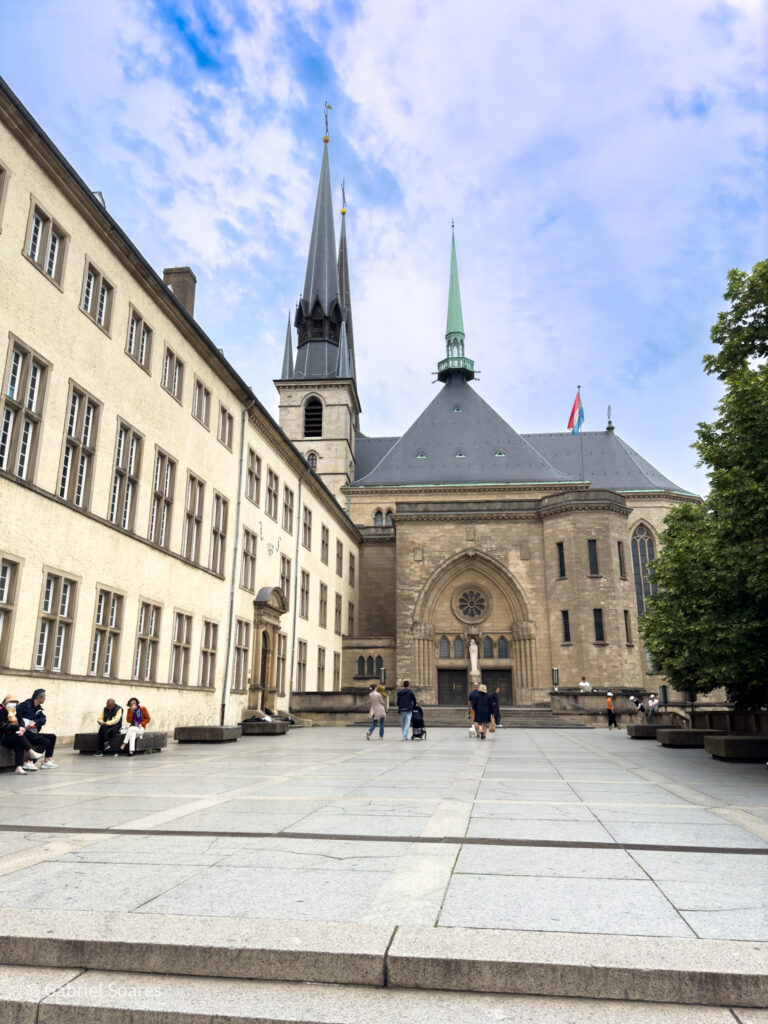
(577, 415)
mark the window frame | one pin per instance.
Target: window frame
(14, 440)
(8, 594)
(106, 653)
(199, 388)
(218, 548)
(304, 588)
(180, 646)
(57, 649)
(325, 539)
(565, 622)
(241, 660)
(135, 317)
(162, 500)
(100, 281)
(122, 500)
(193, 514)
(592, 557)
(288, 504)
(561, 570)
(146, 649)
(50, 228)
(273, 494)
(172, 375)
(226, 427)
(253, 477)
(208, 652)
(599, 623)
(248, 561)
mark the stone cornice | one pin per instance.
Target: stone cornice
(524, 509)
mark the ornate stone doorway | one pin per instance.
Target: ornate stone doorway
(268, 608)
(472, 597)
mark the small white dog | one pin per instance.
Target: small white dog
(472, 731)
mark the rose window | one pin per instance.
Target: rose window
(472, 604)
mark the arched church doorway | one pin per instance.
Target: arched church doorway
(473, 624)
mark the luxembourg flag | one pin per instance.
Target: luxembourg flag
(577, 414)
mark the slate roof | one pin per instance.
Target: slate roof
(609, 462)
(479, 432)
(322, 278)
(459, 436)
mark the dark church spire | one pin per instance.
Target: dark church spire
(344, 291)
(320, 314)
(455, 361)
(288, 353)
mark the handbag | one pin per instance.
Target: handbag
(492, 726)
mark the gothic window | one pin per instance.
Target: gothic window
(643, 552)
(458, 647)
(361, 666)
(503, 647)
(378, 518)
(312, 461)
(388, 517)
(445, 647)
(379, 665)
(313, 418)
(472, 604)
(487, 647)
(369, 666)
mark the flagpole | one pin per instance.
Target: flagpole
(581, 434)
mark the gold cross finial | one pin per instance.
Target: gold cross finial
(327, 105)
(343, 197)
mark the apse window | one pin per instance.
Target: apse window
(421, 455)
(500, 454)
(460, 455)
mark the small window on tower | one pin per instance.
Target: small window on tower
(421, 455)
(457, 408)
(313, 418)
(460, 454)
(312, 461)
(500, 454)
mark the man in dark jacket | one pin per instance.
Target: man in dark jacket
(109, 725)
(31, 715)
(406, 702)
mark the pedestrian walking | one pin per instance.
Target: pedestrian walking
(482, 711)
(612, 722)
(471, 701)
(493, 700)
(377, 713)
(406, 702)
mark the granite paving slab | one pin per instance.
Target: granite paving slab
(538, 862)
(603, 906)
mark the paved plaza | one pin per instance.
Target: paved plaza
(540, 831)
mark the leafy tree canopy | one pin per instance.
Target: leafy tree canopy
(708, 625)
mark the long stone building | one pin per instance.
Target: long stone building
(161, 535)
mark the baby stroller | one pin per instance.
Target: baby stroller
(417, 724)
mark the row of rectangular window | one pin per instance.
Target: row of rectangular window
(597, 616)
(301, 667)
(594, 567)
(46, 248)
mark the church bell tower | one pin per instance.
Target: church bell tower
(319, 405)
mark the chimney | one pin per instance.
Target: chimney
(181, 282)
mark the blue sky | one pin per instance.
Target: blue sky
(604, 161)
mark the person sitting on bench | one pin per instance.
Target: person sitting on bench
(109, 725)
(137, 719)
(13, 735)
(31, 715)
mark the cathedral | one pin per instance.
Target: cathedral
(162, 536)
(534, 546)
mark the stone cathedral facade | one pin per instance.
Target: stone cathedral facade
(535, 546)
(161, 536)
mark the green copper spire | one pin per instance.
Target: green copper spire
(454, 327)
(456, 362)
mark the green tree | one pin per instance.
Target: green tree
(708, 625)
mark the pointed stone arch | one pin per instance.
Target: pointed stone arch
(504, 598)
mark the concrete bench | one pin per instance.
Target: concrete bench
(685, 737)
(264, 728)
(6, 757)
(737, 748)
(642, 732)
(86, 743)
(207, 733)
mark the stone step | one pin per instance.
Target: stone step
(219, 950)
(66, 996)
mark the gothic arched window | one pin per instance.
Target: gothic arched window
(313, 418)
(369, 666)
(503, 647)
(379, 665)
(388, 517)
(378, 518)
(458, 647)
(312, 461)
(445, 647)
(361, 666)
(487, 647)
(643, 552)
